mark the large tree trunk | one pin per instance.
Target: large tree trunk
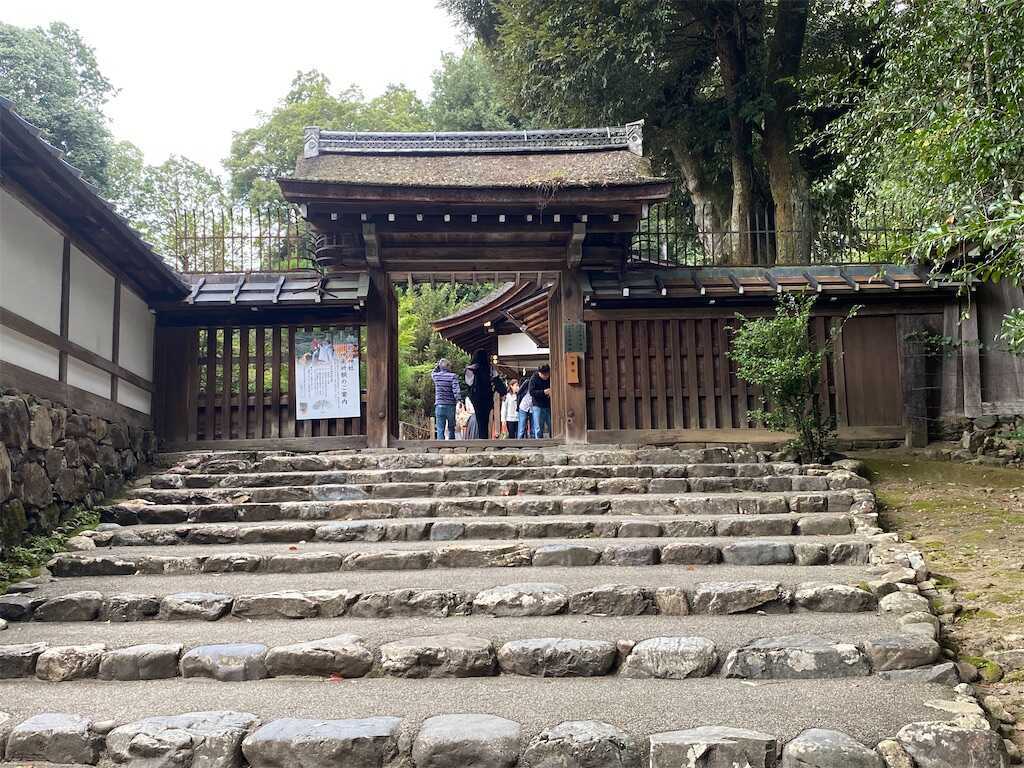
(710, 205)
(732, 47)
(790, 186)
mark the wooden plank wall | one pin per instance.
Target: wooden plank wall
(235, 383)
(672, 373)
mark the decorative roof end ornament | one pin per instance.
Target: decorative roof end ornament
(635, 137)
(311, 141)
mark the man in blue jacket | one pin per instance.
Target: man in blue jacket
(446, 395)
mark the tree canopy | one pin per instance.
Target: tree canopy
(53, 79)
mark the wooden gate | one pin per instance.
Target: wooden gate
(672, 373)
(235, 385)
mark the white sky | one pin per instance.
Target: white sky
(191, 72)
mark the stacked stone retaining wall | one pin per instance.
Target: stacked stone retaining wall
(55, 459)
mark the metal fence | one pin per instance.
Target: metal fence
(275, 238)
(677, 235)
(272, 238)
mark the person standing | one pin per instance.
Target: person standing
(446, 395)
(523, 404)
(483, 382)
(510, 410)
(540, 408)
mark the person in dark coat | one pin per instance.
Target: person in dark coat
(482, 382)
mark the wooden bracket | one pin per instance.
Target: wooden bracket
(575, 251)
(277, 290)
(372, 241)
(195, 291)
(238, 289)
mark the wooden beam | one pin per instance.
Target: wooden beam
(65, 306)
(115, 347)
(380, 400)
(914, 379)
(574, 396)
(971, 352)
(26, 327)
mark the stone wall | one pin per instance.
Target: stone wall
(992, 440)
(54, 459)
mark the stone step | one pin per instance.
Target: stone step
(573, 486)
(328, 556)
(408, 719)
(295, 598)
(450, 654)
(250, 510)
(470, 528)
(223, 462)
(464, 474)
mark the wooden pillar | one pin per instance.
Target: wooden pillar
(952, 394)
(913, 369)
(381, 333)
(573, 393)
(971, 353)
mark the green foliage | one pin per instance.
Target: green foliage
(53, 79)
(776, 354)
(420, 346)
(1012, 333)
(151, 196)
(466, 95)
(268, 150)
(26, 559)
(936, 132)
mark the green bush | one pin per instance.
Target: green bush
(776, 354)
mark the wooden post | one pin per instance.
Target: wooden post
(952, 373)
(381, 330)
(972, 362)
(574, 396)
(914, 375)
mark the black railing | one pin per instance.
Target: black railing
(673, 236)
(272, 238)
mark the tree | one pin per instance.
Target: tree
(420, 346)
(53, 79)
(776, 354)
(154, 197)
(268, 150)
(936, 134)
(719, 85)
(467, 95)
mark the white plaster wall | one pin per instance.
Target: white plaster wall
(88, 377)
(133, 397)
(31, 252)
(135, 347)
(91, 309)
(518, 344)
(29, 354)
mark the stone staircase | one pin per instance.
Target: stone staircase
(694, 608)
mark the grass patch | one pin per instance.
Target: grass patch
(26, 560)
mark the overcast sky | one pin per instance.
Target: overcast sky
(190, 72)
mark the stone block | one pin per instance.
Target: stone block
(128, 607)
(437, 603)
(611, 600)
(368, 743)
(582, 744)
(557, 657)
(527, 599)
(757, 553)
(69, 662)
(340, 656)
(674, 658)
(464, 741)
(75, 606)
(19, 660)
(944, 745)
(565, 555)
(438, 656)
(192, 740)
(151, 661)
(713, 747)
(796, 657)
(688, 553)
(833, 598)
(902, 651)
(817, 748)
(275, 605)
(230, 662)
(55, 738)
(202, 606)
(735, 597)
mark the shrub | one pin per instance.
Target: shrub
(776, 354)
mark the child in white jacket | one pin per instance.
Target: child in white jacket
(510, 410)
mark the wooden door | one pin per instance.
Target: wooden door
(871, 362)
